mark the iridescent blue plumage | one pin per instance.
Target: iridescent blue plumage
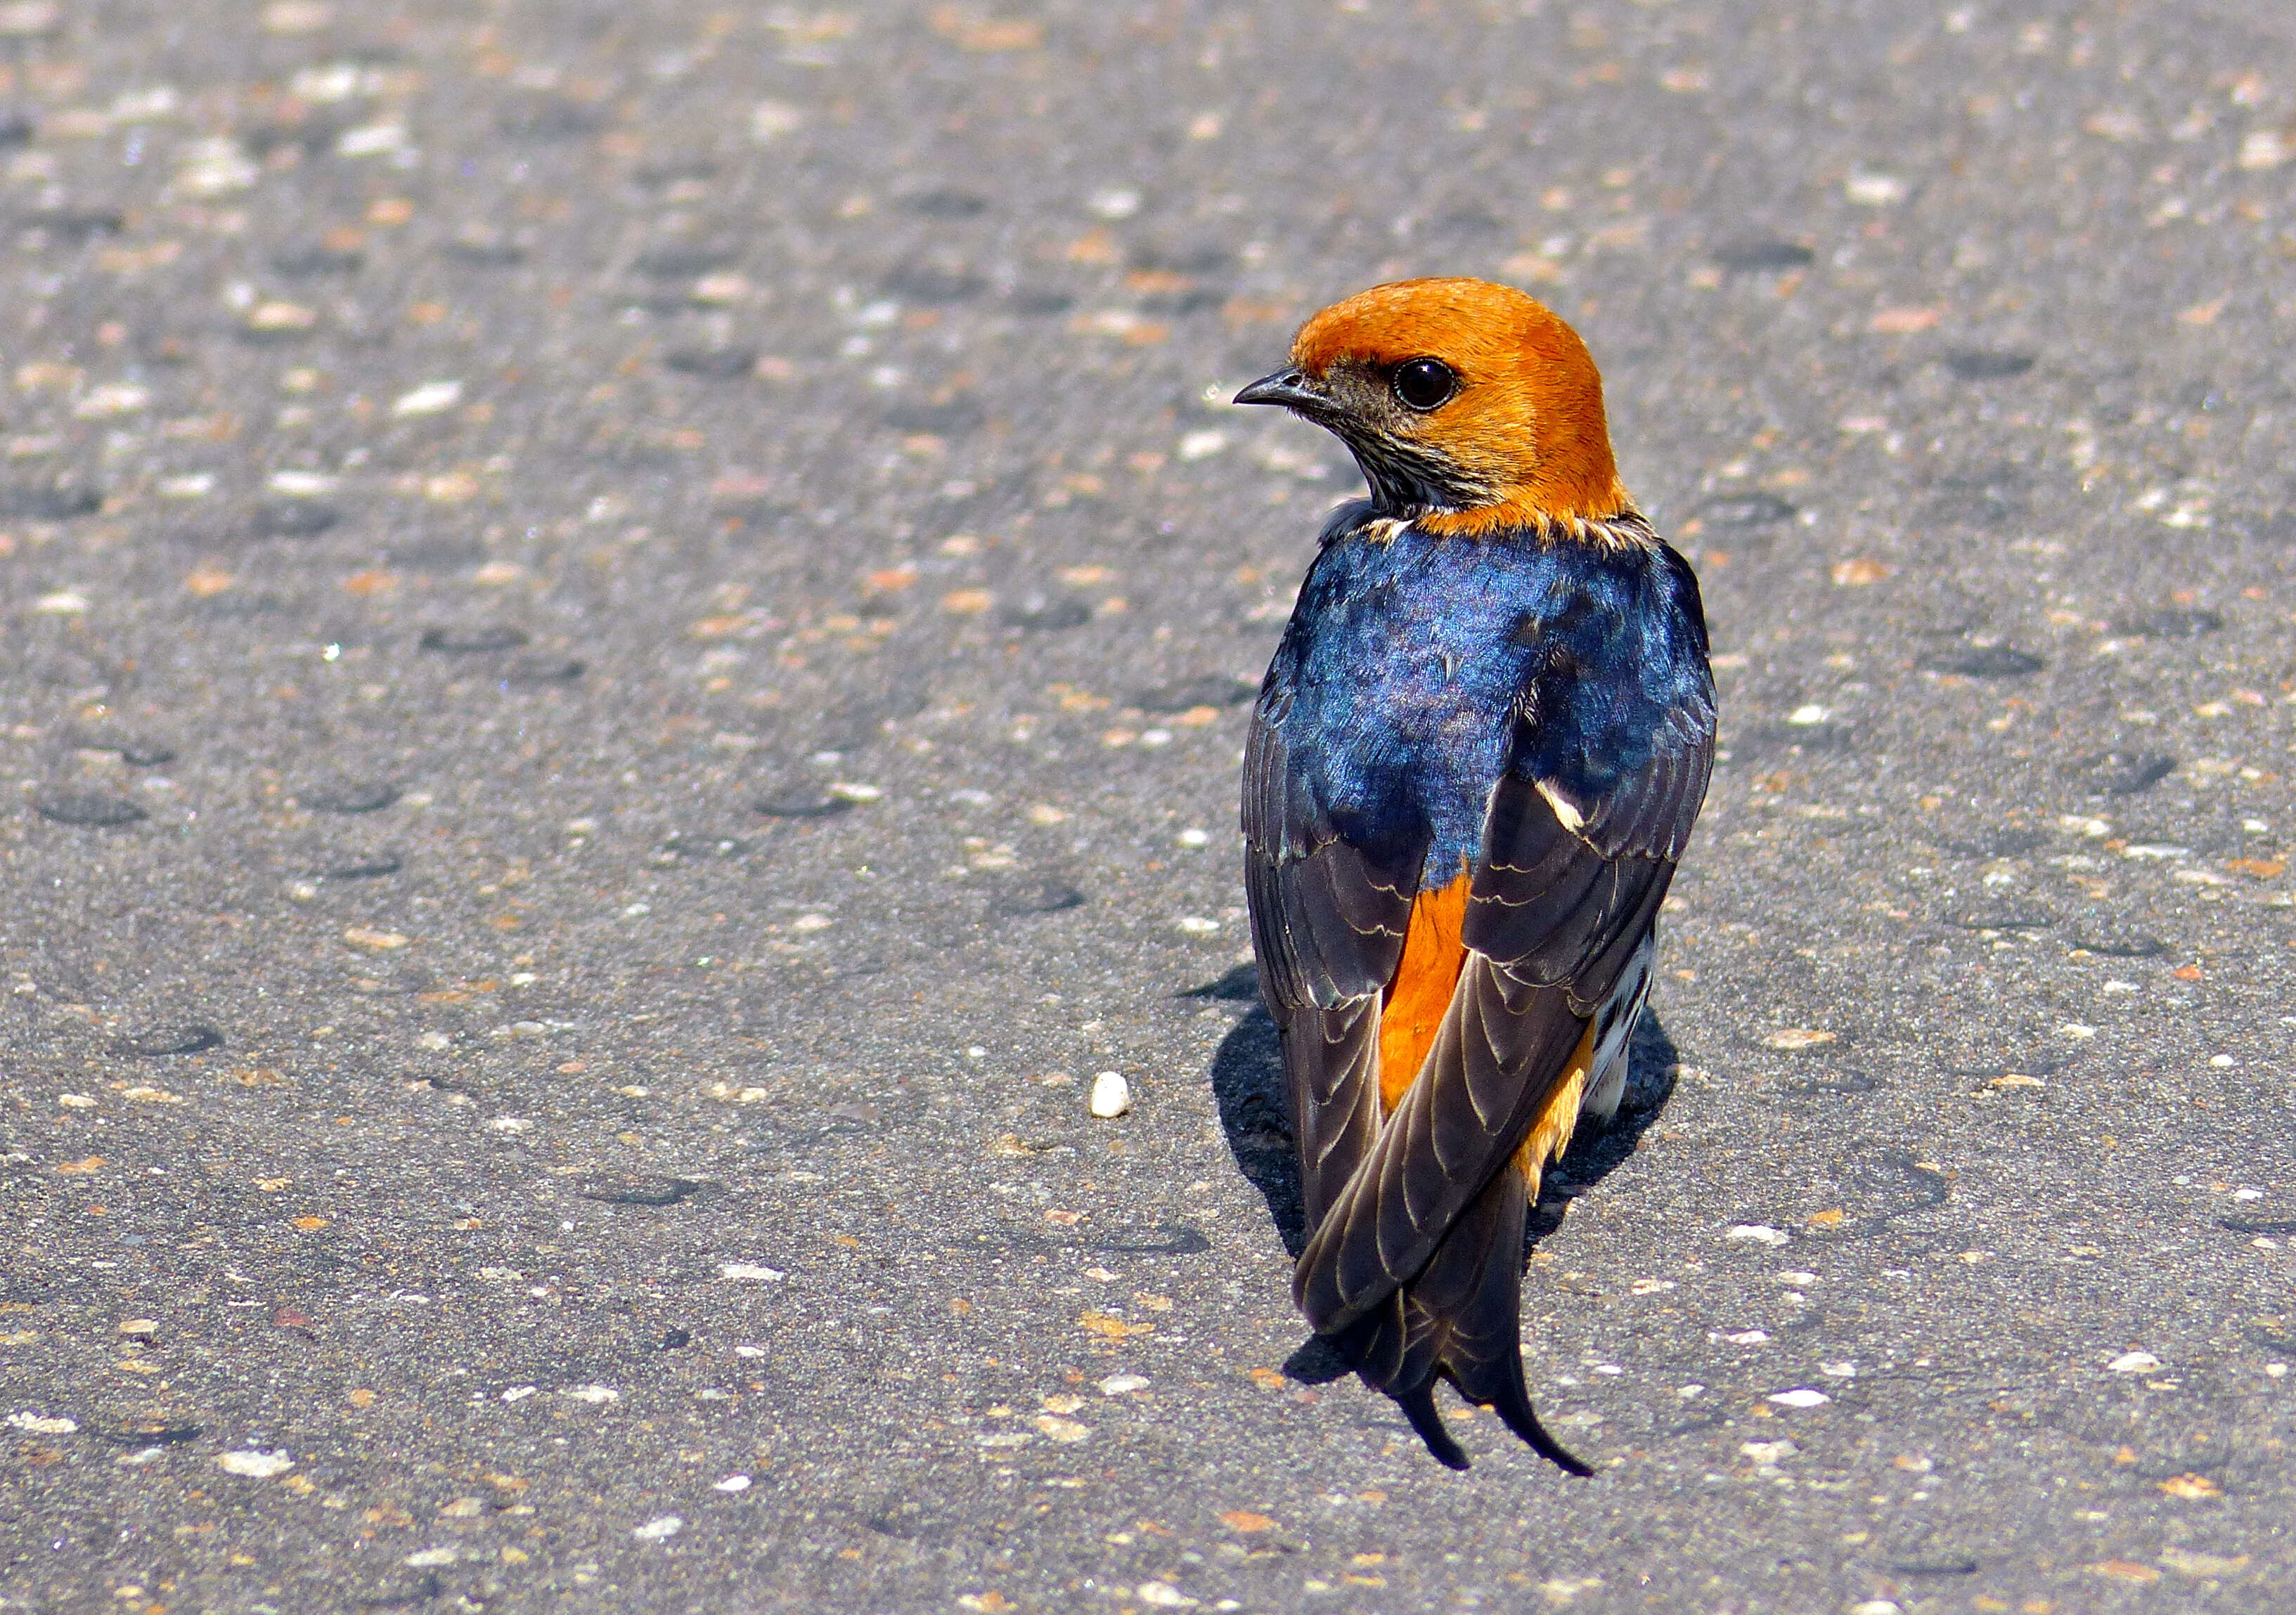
(1409, 656)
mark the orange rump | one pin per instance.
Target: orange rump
(1420, 991)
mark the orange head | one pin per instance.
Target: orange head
(1470, 406)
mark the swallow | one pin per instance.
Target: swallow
(1472, 769)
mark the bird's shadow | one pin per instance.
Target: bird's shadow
(1248, 1083)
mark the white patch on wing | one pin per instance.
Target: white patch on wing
(1566, 811)
(1614, 1032)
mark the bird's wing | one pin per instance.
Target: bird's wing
(1327, 922)
(1564, 892)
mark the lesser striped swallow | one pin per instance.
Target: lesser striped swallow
(1472, 769)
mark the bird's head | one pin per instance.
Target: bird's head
(1470, 406)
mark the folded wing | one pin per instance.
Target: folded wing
(1561, 895)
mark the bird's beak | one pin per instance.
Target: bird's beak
(1289, 387)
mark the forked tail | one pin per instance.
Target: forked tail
(1459, 1320)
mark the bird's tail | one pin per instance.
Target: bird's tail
(1458, 1320)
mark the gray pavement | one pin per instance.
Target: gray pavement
(622, 638)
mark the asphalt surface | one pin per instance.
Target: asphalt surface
(626, 638)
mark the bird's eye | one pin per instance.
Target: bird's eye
(1423, 384)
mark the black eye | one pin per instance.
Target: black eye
(1424, 383)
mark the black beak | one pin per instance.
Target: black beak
(1289, 388)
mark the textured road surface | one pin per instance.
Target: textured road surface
(626, 630)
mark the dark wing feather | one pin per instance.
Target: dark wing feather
(1474, 1101)
(1554, 911)
(1327, 923)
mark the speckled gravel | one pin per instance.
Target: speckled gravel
(628, 630)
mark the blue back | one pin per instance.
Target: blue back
(1407, 659)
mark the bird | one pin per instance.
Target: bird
(1472, 768)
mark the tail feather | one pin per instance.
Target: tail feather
(1458, 1320)
(1427, 1419)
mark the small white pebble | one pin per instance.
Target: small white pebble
(1155, 736)
(2265, 148)
(1122, 1385)
(75, 1101)
(1875, 191)
(1804, 716)
(1112, 1095)
(1113, 202)
(659, 1530)
(2134, 1362)
(769, 120)
(429, 1557)
(811, 922)
(261, 1465)
(380, 139)
(2276, 1370)
(40, 1424)
(112, 398)
(1687, 1392)
(431, 398)
(1800, 1396)
(1195, 838)
(2220, 1060)
(595, 1395)
(750, 1270)
(732, 1483)
(518, 1393)
(1195, 925)
(1760, 1232)
(1203, 445)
